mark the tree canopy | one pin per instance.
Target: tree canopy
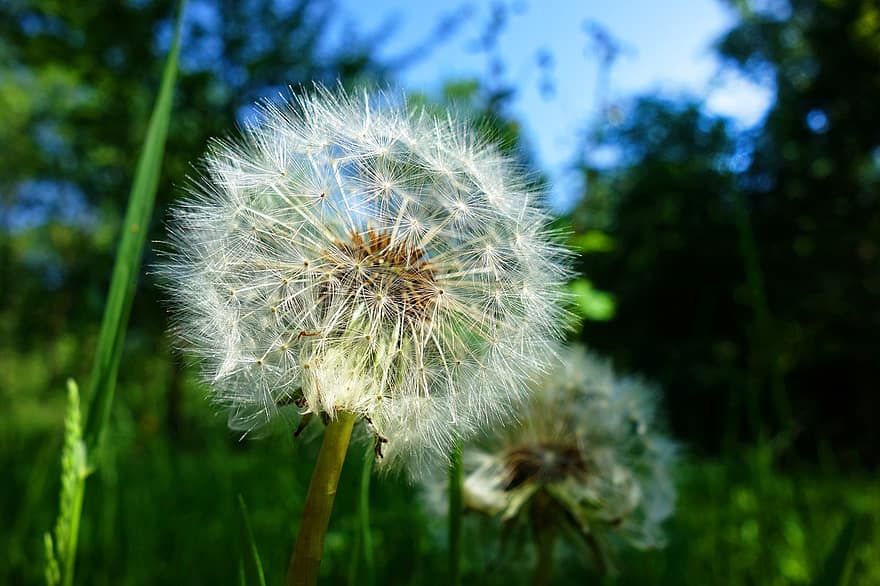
(745, 266)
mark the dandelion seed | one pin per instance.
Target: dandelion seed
(369, 258)
(586, 451)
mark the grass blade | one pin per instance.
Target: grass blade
(363, 541)
(835, 565)
(81, 442)
(364, 517)
(456, 477)
(128, 257)
(248, 535)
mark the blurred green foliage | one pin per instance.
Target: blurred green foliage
(738, 268)
(745, 270)
(167, 513)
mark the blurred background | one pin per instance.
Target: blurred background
(715, 162)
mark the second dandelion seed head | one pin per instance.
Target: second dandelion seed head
(589, 450)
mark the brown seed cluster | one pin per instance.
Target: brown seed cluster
(543, 463)
(396, 274)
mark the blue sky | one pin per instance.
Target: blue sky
(666, 47)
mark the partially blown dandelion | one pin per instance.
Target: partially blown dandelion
(586, 453)
(360, 259)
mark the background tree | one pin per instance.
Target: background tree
(673, 265)
(813, 190)
(746, 267)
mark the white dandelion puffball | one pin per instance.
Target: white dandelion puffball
(588, 443)
(348, 253)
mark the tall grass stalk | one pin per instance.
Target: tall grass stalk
(123, 284)
(765, 361)
(363, 541)
(835, 569)
(80, 456)
(364, 517)
(252, 554)
(456, 509)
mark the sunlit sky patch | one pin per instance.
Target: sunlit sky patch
(663, 46)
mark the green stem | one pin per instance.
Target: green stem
(456, 474)
(306, 559)
(764, 339)
(545, 538)
(364, 509)
(251, 542)
(598, 554)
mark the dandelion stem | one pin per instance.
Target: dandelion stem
(545, 517)
(455, 513)
(545, 538)
(598, 554)
(306, 559)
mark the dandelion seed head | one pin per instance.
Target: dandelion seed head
(591, 441)
(347, 252)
